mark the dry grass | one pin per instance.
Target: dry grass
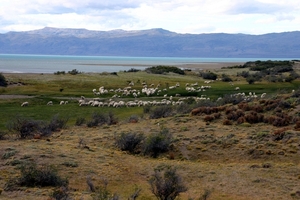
(233, 162)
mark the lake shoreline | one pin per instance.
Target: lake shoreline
(194, 67)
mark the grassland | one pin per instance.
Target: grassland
(241, 161)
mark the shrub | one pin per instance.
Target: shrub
(60, 72)
(32, 176)
(297, 125)
(3, 81)
(2, 135)
(111, 118)
(26, 128)
(9, 154)
(101, 192)
(227, 122)
(80, 121)
(60, 193)
(57, 123)
(74, 72)
(244, 74)
(251, 79)
(161, 112)
(97, 119)
(226, 78)
(166, 183)
(133, 119)
(157, 143)
(208, 118)
(209, 75)
(164, 69)
(132, 70)
(129, 141)
(254, 117)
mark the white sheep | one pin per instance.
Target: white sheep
(50, 103)
(61, 102)
(24, 104)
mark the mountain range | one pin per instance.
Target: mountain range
(150, 43)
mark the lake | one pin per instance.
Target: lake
(23, 63)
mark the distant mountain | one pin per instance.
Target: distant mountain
(152, 42)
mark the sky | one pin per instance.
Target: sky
(181, 16)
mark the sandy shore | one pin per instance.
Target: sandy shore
(196, 66)
(205, 66)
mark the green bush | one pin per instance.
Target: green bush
(157, 143)
(3, 81)
(166, 183)
(164, 69)
(209, 75)
(74, 72)
(226, 78)
(60, 72)
(129, 141)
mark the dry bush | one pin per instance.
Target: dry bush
(166, 183)
(227, 122)
(279, 134)
(257, 108)
(244, 106)
(230, 109)
(161, 112)
(217, 115)
(129, 141)
(297, 125)
(27, 128)
(240, 120)
(208, 118)
(234, 115)
(254, 117)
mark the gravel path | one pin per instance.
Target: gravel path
(6, 96)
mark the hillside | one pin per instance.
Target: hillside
(153, 42)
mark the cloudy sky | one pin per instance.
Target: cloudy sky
(181, 16)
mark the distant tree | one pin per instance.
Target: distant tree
(3, 81)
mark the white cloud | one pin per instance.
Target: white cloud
(183, 16)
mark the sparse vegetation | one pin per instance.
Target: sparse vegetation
(242, 135)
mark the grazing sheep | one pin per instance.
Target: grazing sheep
(50, 103)
(237, 88)
(62, 102)
(24, 104)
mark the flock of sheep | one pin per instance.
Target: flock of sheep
(152, 91)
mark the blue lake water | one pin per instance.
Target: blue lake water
(23, 63)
